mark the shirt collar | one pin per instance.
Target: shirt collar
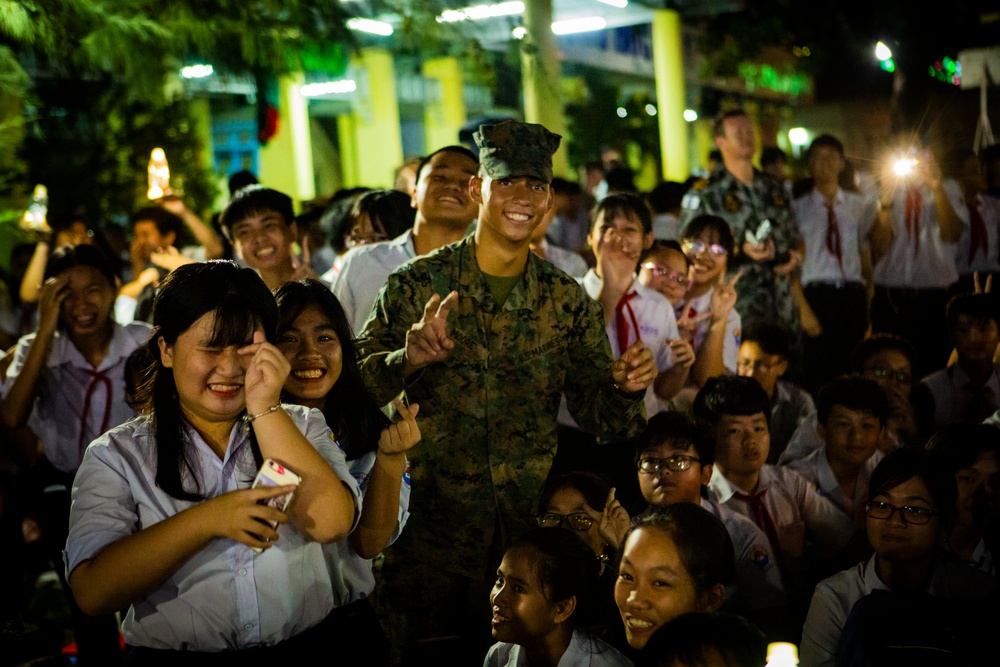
(592, 283)
(471, 282)
(64, 352)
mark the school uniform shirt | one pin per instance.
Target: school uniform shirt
(955, 400)
(795, 508)
(816, 469)
(584, 650)
(854, 215)
(567, 260)
(835, 598)
(803, 442)
(652, 313)
(226, 596)
(758, 579)
(75, 402)
(917, 257)
(363, 272)
(986, 258)
(791, 407)
(730, 345)
(666, 227)
(351, 575)
(982, 559)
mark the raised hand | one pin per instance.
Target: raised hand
(50, 298)
(245, 517)
(681, 352)
(613, 522)
(723, 297)
(794, 261)
(688, 326)
(301, 268)
(978, 288)
(635, 370)
(267, 370)
(401, 436)
(759, 252)
(169, 258)
(427, 341)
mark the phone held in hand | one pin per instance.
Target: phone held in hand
(272, 474)
(761, 234)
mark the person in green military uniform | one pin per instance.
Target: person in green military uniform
(769, 247)
(487, 337)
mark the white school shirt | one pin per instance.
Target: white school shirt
(758, 579)
(226, 596)
(952, 399)
(835, 598)
(987, 259)
(855, 216)
(565, 260)
(61, 410)
(362, 274)
(804, 441)
(933, 264)
(816, 469)
(584, 650)
(731, 343)
(657, 324)
(351, 575)
(666, 227)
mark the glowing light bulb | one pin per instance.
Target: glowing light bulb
(159, 175)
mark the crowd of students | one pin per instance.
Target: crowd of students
(617, 428)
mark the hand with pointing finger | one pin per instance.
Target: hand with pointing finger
(635, 370)
(613, 522)
(427, 341)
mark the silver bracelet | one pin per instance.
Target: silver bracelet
(273, 408)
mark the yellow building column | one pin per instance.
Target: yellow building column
(371, 142)
(286, 162)
(540, 78)
(668, 67)
(445, 114)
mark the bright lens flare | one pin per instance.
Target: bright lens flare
(904, 166)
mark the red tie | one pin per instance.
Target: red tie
(96, 378)
(621, 324)
(913, 202)
(979, 239)
(833, 236)
(761, 517)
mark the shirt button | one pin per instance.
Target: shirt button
(227, 471)
(248, 626)
(242, 572)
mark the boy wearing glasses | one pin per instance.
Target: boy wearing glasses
(781, 502)
(674, 459)
(708, 317)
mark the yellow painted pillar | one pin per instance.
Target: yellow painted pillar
(286, 162)
(668, 68)
(540, 78)
(704, 142)
(444, 115)
(371, 141)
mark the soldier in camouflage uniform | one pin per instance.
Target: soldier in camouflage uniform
(488, 364)
(751, 203)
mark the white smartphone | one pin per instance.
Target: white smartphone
(272, 474)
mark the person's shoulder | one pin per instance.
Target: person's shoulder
(936, 378)
(595, 651)
(137, 330)
(129, 438)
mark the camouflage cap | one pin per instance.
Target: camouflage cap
(513, 148)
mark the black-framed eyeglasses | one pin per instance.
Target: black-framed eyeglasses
(882, 373)
(917, 516)
(666, 272)
(578, 522)
(694, 248)
(675, 463)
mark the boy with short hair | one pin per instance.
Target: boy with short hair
(780, 501)
(260, 223)
(763, 356)
(674, 458)
(969, 390)
(852, 412)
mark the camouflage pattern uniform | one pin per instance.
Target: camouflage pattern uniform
(760, 294)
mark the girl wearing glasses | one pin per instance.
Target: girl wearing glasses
(707, 317)
(910, 505)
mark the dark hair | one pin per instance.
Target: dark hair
(976, 306)
(565, 567)
(560, 186)
(165, 221)
(350, 410)
(680, 431)
(772, 336)
(255, 200)
(623, 204)
(240, 303)
(389, 209)
(240, 180)
(66, 257)
(880, 342)
(957, 446)
(825, 141)
(711, 223)
(854, 393)
(461, 150)
(336, 222)
(666, 196)
(771, 155)
(397, 176)
(660, 244)
(903, 464)
(719, 123)
(691, 639)
(620, 179)
(715, 153)
(593, 488)
(730, 395)
(704, 545)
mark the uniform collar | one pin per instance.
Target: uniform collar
(64, 352)
(471, 282)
